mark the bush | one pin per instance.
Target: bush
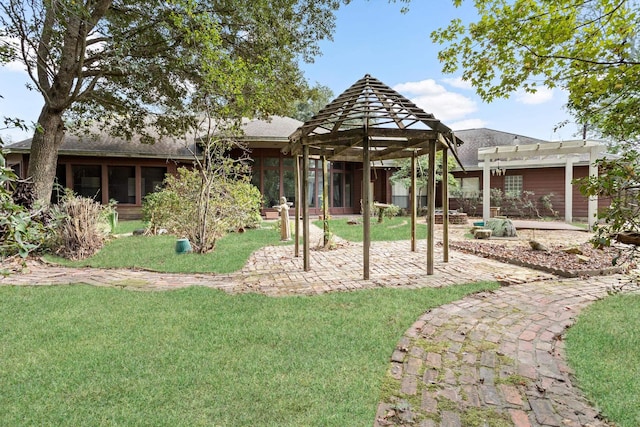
(23, 229)
(82, 226)
(202, 210)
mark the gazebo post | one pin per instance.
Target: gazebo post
(414, 208)
(305, 205)
(325, 201)
(296, 191)
(366, 205)
(431, 206)
(445, 204)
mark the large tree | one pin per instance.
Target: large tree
(587, 47)
(133, 66)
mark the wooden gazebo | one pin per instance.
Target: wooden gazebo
(372, 122)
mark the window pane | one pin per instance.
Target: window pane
(152, 178)
(470, 187)
(86, 181)
(271, 162)
(289, 186)
(348, 197)
(287, 162)
(271, 189)
(337, 190)
(255, 177)
(513, 185)
(122, 184)
(312, 189)
(59, 183)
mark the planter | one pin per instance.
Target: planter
(183, 246)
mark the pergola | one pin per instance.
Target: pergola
(371, 122)
(540, 154)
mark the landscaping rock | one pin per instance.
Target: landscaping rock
(572, 250)
(537, 246)
(482, 233)
(501, 227)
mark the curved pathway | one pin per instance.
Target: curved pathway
(493, 357)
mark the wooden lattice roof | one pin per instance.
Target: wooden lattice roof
(395, 126)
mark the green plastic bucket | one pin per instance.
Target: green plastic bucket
(183, 246)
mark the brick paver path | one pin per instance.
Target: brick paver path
(498, 357)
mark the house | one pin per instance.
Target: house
(108, 168)
(517, 164)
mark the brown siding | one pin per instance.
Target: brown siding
(543, 181)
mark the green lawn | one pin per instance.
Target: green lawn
(396, 228)
(158, 252)
(81, 355)
(603, 348)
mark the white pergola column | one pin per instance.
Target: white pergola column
(592, 209)
(568, 190)
(486, 189)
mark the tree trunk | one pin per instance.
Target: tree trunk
(44, 153)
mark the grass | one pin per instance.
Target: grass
(124, 227)
(603, 348)
(157, 253)
(396, 228)
(81, 355)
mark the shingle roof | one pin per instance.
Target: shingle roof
(274, 129)
(483, 137)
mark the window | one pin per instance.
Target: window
(470, 187)
(86, 181)
(122, 184)
(513, 185)
(152, 178)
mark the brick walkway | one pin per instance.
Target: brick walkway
(497, 356)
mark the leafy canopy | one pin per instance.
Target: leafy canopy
(136, 63)
(587, 47)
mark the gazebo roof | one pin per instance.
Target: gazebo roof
(395, 126)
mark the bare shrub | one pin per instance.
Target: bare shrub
(82, 227)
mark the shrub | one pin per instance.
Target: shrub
(203, 210)
(467, 202)
(82, 226)
(23, 229)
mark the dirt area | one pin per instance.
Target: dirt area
(587, 261)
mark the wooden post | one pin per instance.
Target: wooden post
(445, 204)
(431, 206)
(366, 205)
(325, 202)
(296, 190)
(414, 207)
(305, 205)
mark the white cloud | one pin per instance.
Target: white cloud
(468, 124)
(436, 99)
(458, 82)
(542, 95)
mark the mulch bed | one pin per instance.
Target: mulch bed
(554, 261)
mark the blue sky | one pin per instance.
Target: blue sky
(374, 37)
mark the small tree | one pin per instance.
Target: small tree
(619, 181)
(403, 174)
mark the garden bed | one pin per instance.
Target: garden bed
(554, 261)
